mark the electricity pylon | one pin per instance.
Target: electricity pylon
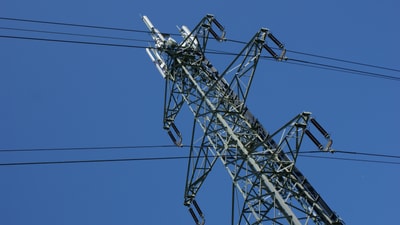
(263, 170)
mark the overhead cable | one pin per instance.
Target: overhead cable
(72, 34)
(351, 159)
(343, 69)
(71, 41)
(367, 154)
(230, 40)
(86, 148)
(343, 60)
(289, 60)
(92, 161)
(301, 154)
(172, 158)
(16, 150)
(300, 62)
(72, 24)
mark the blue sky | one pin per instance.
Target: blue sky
(71, 95)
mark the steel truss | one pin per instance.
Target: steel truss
(263, 171)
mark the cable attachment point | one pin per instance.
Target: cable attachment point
(221, 28)
(177, 141)
(281, 47)
(199, 213)
(325, 134)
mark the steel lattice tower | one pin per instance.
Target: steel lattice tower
(274, 191)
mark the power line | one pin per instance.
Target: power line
(172, 158)
(301, 154)
(72, 24)
(336, 68)
(351, 159)
(327, 57)
(71, 41)
(368, 154)
(301, 62)
(344, 69)
(230, 40)
(10, 150)
(93, 161)
(378, 155)
(87, 148)
(343, 60)
(72, 34)
(290, 60)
